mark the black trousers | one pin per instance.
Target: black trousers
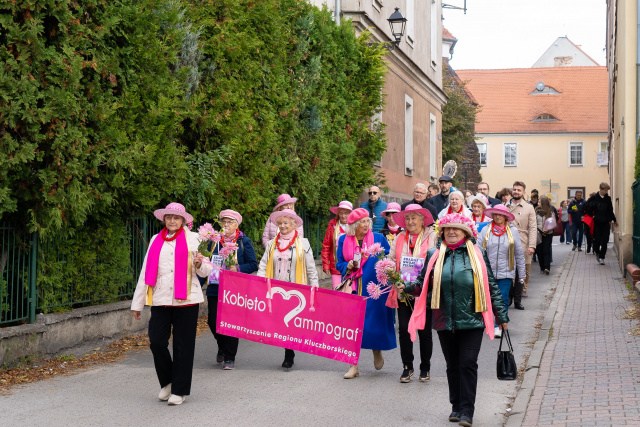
(544, 252)
(601, 232)
(184, 322)
(461, 349)
(406, 345)
(226, 344)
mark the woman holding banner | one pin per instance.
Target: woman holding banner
(169, 284)
(456, 283)
(288, 258)
(378, 332)
(246, 262)
(408, 251)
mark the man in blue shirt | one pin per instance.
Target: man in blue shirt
(575, 211)
(375, 206)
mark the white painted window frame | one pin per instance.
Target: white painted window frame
(411, 22)
(408, 135)
(504, 144)
(433, 145)
(433, 27)
(572, 144)
(486, 154)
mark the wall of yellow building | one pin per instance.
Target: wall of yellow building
(542, 157)
(622, 62)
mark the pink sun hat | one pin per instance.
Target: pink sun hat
(461, 222)
(228, 213)
(499, 210)
(173, 209)
(345, 204)
(284, 199)
(392, 207)
(288, 213)
(357, 215)
(413, 208)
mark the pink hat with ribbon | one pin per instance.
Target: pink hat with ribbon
(357, 215)
(413, 208)
(284, 199)
(228, 213)
(458, 221)
(345, 204)
(174, 209)
(499, 210)
(392, 207)
(285, 213)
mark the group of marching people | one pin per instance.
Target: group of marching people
(461, 291)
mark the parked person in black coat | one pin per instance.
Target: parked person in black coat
(420, 192)
(600, 208)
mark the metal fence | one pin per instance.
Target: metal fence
(636, 222)
(22, 258)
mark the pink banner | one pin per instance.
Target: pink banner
(331, 329)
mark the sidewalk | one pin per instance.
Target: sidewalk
(585, 367)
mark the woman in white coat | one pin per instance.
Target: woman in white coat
(169, 283)
(456, 206)
(289, 258)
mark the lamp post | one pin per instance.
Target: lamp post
(398, 23)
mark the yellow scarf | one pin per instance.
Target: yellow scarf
(301, 267)
(478, 281)
(512, 246)
(416, 248)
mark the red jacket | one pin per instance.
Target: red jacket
(329, 246)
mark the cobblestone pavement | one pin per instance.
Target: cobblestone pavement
(589, 373)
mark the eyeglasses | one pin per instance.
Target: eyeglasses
(227, 221)
(372, 192)
(419, 193)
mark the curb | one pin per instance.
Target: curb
(523, 395)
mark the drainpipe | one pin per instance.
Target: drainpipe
(337, 10)
(637, 71)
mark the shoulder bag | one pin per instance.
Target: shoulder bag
(345, 286)
(506, 367)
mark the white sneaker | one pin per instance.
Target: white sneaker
(497, 332)
(165, 392)
(176, 400)
(601, 261)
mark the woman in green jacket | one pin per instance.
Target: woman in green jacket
(457, 288)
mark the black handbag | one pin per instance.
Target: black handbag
(506, 367)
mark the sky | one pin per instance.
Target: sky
(515, 33)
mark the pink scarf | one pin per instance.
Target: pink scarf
(349, 249)
(419, 316)
(181, 264)
(393, 228)
(454, 246)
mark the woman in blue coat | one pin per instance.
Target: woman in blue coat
(246, 263)
(378, 331)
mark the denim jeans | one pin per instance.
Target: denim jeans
(566, 236)
(505, 287)
(577, 232)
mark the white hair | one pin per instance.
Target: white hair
(420, 185)
(351, 228)
(459, 193)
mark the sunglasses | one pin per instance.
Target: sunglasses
(372, 192)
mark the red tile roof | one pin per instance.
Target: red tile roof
(508, 107)
(446, 34)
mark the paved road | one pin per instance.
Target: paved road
(260, 393)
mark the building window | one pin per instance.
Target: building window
(602, 158)
(411, 18)
(571, 192)
(377, 4)
(408, 135)
(510, 154)
(434, 33)
(482, 149)
(433, 145)
(576, 154)
(546, 117)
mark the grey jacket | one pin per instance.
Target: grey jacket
(498, 253)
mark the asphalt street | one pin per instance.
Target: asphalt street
(260, 392)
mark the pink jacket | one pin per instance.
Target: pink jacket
(270, 231)
(163, 290)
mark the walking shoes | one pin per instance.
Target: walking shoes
(465, 421)
(378, 360)
(219, 357)
(174, 399)
(229, 365)
(352, 372)
(165, 392)
(406, 375)
(497, 332)
(424, 376)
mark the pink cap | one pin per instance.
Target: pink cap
(392, 207)
(357, 215)
(345, 204)
(228, 213)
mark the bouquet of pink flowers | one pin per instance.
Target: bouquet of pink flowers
(374, 250)
(207, 234)
(227, 252)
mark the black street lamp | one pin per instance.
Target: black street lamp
(398, 23)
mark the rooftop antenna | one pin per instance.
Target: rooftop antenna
(450, 6)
